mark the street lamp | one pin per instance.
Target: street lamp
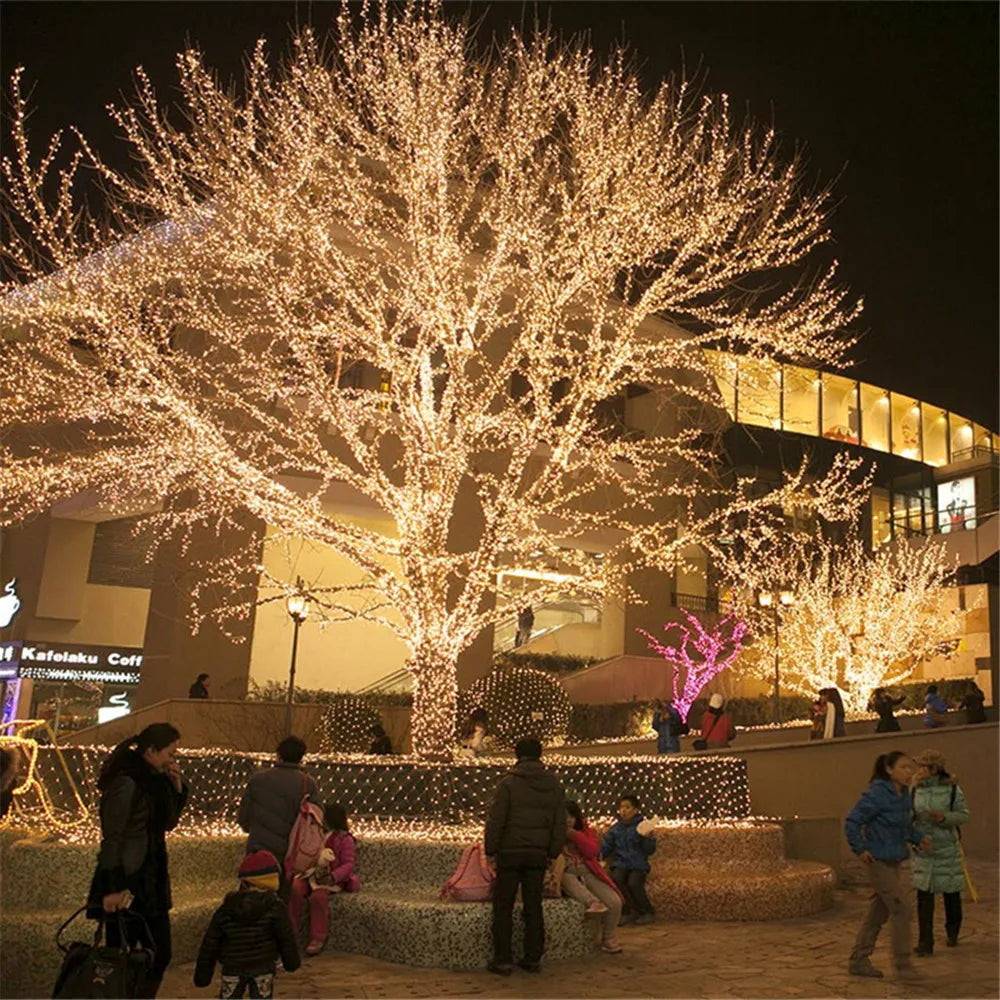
(775, 599)
(297, 605)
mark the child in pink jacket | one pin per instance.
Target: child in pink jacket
(334, 872)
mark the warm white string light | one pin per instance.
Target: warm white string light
(487, 241)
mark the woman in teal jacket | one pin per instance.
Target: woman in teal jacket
(939, 810)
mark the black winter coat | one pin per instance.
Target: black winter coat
(249, 932)
(527, 819)
(270, 806)
(138, 806)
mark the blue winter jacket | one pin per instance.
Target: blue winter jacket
(667, 727)
(629, 847)
(882, 823)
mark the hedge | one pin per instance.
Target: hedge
(552, 663)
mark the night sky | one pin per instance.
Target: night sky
(897, 102)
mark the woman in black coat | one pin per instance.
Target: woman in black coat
(142, 796)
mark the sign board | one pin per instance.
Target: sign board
(52, 661)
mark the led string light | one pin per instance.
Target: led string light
(411, 274)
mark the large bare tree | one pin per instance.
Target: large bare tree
(412, 275)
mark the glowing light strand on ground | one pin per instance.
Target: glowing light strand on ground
(711, 649)
(409, 274)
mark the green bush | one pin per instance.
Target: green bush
(519, 703)
(552, 663)
(276, 691)
(346, 725)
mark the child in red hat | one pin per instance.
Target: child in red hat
(249, 932)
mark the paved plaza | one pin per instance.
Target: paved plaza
(806, 957)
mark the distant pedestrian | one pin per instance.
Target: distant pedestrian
(474, 732)
(200, 687)
(879, 830)
(668, 725)
(628, 846)
(717, 729)
(817, 718)
(973, 703)
(885, 705)
(249, 933)
(939, 810)
(271, 802)
(833, 722)
(525, 625)
(381, 744)
(935, 709)
(525, 829)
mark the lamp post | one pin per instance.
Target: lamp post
(297, 605)
(774, 599)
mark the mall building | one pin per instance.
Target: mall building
(91, 627)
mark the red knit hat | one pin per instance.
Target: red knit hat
(260, 869)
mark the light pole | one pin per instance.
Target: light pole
(297, 605)
(774, 599)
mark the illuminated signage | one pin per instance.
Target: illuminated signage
(9, 603)
(957, 505)
(49, 661)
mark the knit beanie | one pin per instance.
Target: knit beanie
(260, 869)
(716, 701)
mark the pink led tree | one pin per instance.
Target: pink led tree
(709, 646)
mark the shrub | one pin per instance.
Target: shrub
(519, 703)
(345, 725)
(276, 691)
(552, 663)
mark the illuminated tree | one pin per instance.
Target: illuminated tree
(856, 621)
(699, 653)
(403, 276)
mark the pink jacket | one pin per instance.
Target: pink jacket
(342, 845)
(584, 842)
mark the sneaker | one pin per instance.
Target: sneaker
(596, 907)
(627, 918)
(500, 968)
(864, 967)
(611, 946)
(646, 918)
(314, 947)
(530, 966)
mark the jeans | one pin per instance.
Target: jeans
(925, 916)
(259, 987)
(135, 933)
(632, 885)
(530, 879)
(319, 909)
(889, 900)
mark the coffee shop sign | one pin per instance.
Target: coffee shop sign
(33, 654)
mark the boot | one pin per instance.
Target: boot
(863, 967)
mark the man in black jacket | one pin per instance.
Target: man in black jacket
(526, 828)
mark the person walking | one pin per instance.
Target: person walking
(935, 709)
(142, 797)
(939, 810)
(879, 831)
(972, 704)
(717, 729)
(525, 829)
(525, 625)
(885, 705)
(271, 802)
(668, 724)
(629, 843)
(585, 880)
(200, 687)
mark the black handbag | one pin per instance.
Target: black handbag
(102, 972)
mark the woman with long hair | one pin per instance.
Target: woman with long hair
(880, 831)
(833, 724)
(142, 796)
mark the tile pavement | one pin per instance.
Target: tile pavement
(783, 958)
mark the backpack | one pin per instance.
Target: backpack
(473, 878)
(306, 839)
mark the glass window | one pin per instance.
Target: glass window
(905, 426)
(881, 528)
(840, 408)
(961, 437)
(801, 400)
(982, 438)
(874, 417)
(723, 367)
(996, 444)
(957, 505)
(935, 425)
(759, 398)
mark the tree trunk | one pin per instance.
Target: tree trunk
(435, 698)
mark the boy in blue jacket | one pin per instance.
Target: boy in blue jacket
(630, 844)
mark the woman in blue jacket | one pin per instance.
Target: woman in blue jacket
(880, 831)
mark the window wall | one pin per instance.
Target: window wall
(874, 417)
(961, 437)
(800, 400)
(935, 435)
(881, 526)
(905, 426)
(758, 393)
(840, 408)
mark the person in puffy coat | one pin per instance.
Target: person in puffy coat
(939, 810)
(585, 880)
(248, 933)
(880, 831)
(629, 844)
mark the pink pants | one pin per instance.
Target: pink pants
(319, 909)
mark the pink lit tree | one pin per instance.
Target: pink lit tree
(700, 653)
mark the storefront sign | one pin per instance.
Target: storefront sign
(49, 661)
(10, 603)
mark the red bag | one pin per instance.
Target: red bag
(306, 839)
(473, 879)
